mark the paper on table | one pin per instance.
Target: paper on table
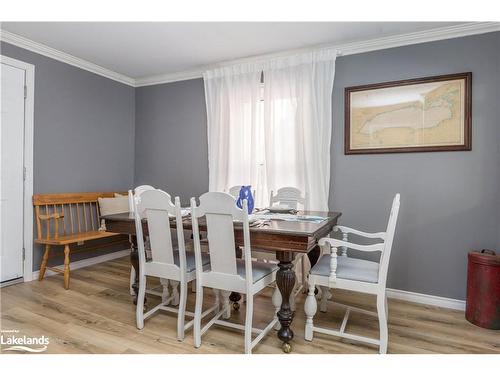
(287, 217)
(184, 212)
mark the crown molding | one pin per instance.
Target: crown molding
(449, 32)
(170, 77)
(401, 40)
(42, 49)
(418, 37)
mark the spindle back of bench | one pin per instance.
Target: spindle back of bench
(67, 213)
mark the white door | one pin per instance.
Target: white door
(12, 165)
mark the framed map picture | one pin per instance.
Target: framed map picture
(414, 115)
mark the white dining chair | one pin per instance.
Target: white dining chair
(141, 188)
(227, 273)
(167, 261)
(164, 293)
(136, 192)
(343, 272)
(288, 196)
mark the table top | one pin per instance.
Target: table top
(297, 228)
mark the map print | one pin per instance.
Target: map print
(425, 114)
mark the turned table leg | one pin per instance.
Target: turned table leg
(134, 260)
(235, 297)
(285, 280)
(313, 256)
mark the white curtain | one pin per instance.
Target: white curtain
(232, 100)
(272, 132)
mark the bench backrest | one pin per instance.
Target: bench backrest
(67, 213)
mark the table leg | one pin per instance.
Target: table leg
(313, 256)
(285, 280)
(235, 297)
(134, 260)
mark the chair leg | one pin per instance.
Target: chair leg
(66, 266)
(182, 311)
(165, 293)
(382, 320)
(132, 280)
(226, 303)
(277, 305)
(310, 308)
(175, 292)
(292, 300)
(217, 300)
(43, 266)
(197, 315)
(139, 311)
(325, 295)
(248, 325)
(304, 272)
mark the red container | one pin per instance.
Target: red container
(483, 289)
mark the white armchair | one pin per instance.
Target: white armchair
(342, 272)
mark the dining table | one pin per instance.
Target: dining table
(285, 238)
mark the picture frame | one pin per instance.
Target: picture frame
(413, 115)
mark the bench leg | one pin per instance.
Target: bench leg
(66, 266)
(43, 266)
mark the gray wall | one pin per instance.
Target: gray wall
(84, 131)
(450, 200)
(171, 139)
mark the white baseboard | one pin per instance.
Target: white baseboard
(426, 299)
(404, 295)
(87, 262)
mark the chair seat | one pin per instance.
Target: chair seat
(190, 262)
(259, 269)
(348, 268)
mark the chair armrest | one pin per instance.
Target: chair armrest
(345, 230)
(333, 242)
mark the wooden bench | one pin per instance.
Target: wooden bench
(69, 218)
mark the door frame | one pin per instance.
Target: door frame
(29, 108)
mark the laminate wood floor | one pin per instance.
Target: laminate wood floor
(97, 316)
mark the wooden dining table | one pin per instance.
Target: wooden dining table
(285, 238)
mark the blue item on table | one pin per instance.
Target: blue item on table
(246, 193)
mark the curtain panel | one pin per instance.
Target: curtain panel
(269, 125)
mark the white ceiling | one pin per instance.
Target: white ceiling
(144, 49)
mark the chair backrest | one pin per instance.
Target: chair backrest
(136, 193)
(67, 213)
(235, 191)
(139, 189)
(156, 207)
(389, 237)
(289, 196)
(220, 211)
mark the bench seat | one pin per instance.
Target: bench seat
(76, 238)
